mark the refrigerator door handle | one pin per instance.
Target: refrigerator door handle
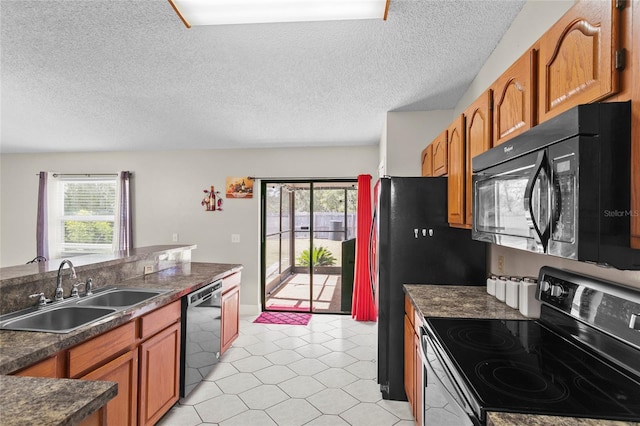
(371, 259)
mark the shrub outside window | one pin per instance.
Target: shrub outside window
(83, 216)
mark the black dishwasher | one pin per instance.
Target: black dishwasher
(200, 349)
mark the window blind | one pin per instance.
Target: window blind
(88, 214)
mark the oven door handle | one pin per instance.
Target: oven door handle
(542, 164)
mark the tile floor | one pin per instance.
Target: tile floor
(320, 374)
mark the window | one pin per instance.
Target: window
(82, 215)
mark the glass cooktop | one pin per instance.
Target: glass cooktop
(521, 366)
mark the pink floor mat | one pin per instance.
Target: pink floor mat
(291, 318)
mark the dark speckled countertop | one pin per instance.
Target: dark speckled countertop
(23, 348)
(38, 401)
(514, 419)
(455, 301)
(20, 349)
(451, 301)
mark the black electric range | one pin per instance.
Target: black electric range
(580, 359)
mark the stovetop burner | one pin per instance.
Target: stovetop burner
(476, 337)
(526, 381)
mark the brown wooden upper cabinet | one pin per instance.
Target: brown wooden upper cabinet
(427, 161)
(514, 97)
(468, 136)
(478, 121)
(457, 170)
(440, 156)
(577, 62)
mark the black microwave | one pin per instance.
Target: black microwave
(561, 188)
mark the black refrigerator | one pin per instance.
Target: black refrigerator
(412, 243)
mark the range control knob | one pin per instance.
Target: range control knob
(557, 291)
(544, 286)
(634, 322)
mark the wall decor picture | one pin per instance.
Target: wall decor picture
(212, 200)
(239, 187)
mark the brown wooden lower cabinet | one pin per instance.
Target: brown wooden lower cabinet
(409, 362)
(122, 409)
(159, 374)
(53, 368)
(142, 356)
(230, 327)
(88, 355)
(99, 418)
(49, 368)
(412, 362)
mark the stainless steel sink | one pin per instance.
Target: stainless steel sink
(120, 297)
(73, 313)
(58, 320)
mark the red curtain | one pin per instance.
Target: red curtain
(363, 307)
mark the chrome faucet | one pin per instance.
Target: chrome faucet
(59, 292)
(88, 287)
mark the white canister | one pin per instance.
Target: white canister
(501, 288)
(529, 306)
(512, 291)
(491, 284)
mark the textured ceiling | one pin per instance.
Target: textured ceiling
(88, 75)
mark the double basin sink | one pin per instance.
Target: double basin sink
(73, 313)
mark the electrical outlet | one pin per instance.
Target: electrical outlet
(235, 238)
(501, 264)
(148, 269)
(174, 237)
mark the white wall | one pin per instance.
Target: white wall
(407, 134)
(167, 189)
(534, 19)
(382, 152)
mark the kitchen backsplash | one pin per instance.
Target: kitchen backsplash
(15, 287)
(522, 263)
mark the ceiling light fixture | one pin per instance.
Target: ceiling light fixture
(224, 12)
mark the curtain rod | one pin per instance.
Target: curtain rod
(83, 174)
(301, 178)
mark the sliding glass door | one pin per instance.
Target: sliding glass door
(277, 241)
(308, 229)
